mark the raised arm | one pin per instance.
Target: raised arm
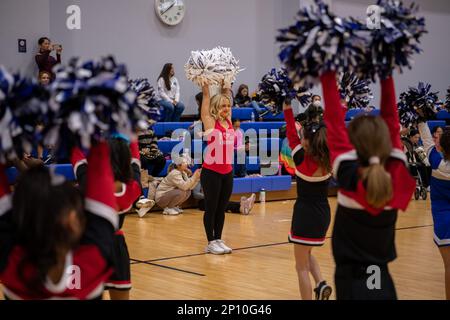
(100, 198)
(185, 185)
(389, 111)
(426, 137)
(6, 226)
(207, 120)
(135, 160)
(334, 116)
(226, 90)
(291, 131)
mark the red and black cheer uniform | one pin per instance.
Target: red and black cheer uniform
(92, 257)
(311, 217)
(364, 236)
(121, 278)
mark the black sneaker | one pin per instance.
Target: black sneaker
(323, 291)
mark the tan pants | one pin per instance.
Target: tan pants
(173, 198)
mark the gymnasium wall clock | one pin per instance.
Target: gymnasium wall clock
(170, 12)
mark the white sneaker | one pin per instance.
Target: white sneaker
(178, 209)
(214, 248)
(170, 212)
(225, 248)
(144, 206)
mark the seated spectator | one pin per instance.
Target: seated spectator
(43, 58)
(176, 188)
(437, 132)
(44, 78)
(316, 101)
(244, 207)
(152, 159)
(168, 94)
(417, 166)
(243, 100)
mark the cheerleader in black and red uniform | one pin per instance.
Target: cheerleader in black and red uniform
(126, 168)
(374, 183)
(52, 245)
(311, 217)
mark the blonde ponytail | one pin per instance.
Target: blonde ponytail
(371, 138)
(378, 184)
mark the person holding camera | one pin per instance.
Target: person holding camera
(44, 60)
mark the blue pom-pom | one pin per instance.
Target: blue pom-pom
(396, 41)
(418, 104)
(23, 106)
(355, 91)
(90, 101)
(321, 42)
(146, 98)
(275, 87)
(304, 96)
(447, 100)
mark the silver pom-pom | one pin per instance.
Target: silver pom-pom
(212, 66)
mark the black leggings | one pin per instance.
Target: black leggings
(217, 189)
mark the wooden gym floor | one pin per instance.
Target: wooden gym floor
(169, 263)
(169, 260)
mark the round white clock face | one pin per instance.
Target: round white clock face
(171, 12)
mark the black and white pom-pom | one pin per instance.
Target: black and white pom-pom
(355, 91)
(417, 104)
(447, 100)
(396, 40)
(212, 66)
(23, 106)
(304, 96)
(275, 87)
(319, 42)
(146, 98)
(90, 101)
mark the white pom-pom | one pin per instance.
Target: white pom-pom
(212, 66)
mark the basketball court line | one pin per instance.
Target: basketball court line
(152, 262)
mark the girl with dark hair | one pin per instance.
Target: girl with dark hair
(311, 217)
(43, 58)
(374, 183)
(437, 147)
(168, 94)
(54, 243)
(243, 100)
(126, 170)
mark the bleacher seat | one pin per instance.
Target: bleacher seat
(436, 123)
(255, 185)
(65, 170)
(161, 128)
(242, 114)
(267, 144)
(352, 113)
(257, 126)
(166, 146)
(443, 115)
(245, 114)
(271, 117)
